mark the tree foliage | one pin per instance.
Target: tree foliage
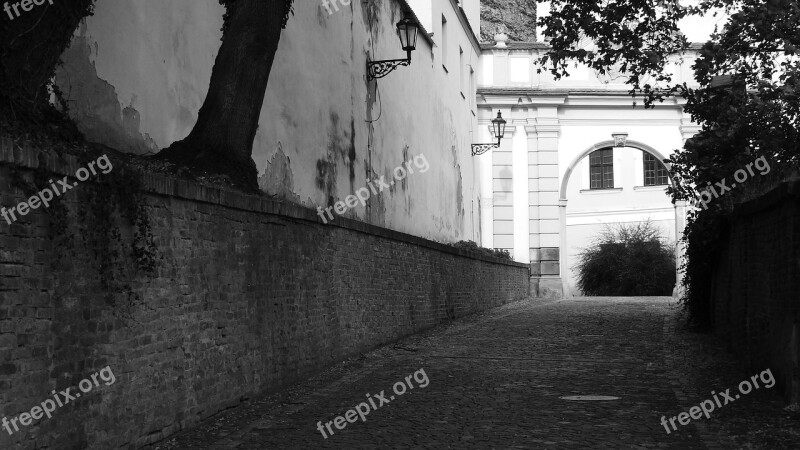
(627, 260)
(755, 115)
(30, 48)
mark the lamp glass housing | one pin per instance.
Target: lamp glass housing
(499, 126)
(407, 31)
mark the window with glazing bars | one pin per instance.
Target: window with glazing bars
(601, 169)
(655, 173)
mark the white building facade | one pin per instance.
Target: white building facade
(576, 157)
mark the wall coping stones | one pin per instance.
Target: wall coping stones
(32, 158)
(786, 190)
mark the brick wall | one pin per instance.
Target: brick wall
(756, 287)
(251, 295)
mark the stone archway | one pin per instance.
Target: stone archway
(680, 207)
(605, 144)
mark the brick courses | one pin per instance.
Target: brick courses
(251, 295)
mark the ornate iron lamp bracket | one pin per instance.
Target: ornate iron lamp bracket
(379, 69)
(479, 149)
(499, 129)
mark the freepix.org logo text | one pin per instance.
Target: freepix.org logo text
(376, 186)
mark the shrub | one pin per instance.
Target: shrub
(627, 260)
(473, 247)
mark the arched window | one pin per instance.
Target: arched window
(601, 169)
(655, 173)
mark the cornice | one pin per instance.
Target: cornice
(422, 31)
(462, 17)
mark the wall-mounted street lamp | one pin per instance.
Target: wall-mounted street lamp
(499, 126)
(407, 32)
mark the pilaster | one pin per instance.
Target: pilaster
(546, 221)
(503, 192)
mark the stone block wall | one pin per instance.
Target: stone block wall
(250, 296)
(756, 287)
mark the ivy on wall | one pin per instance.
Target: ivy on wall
(112, 224)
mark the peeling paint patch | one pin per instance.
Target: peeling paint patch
(351, 155)
(326, 179)
(459, 195)
(278, 179)
(337, 137)
(454, 147)
(376, 207)
(94, 104)
(341, 149)
(404, 182)
(371, 13)
(322, 16)
(389, 177)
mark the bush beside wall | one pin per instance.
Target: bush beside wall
(251, 296)
(756, 286)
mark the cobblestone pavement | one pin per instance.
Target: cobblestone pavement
(496, 381)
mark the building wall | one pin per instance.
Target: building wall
(472, 11)
(137, 73)
(250, 295)
(531, 187)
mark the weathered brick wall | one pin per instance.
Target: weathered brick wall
(757, 286)
(250, 295)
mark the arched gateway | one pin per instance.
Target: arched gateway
(679, 208)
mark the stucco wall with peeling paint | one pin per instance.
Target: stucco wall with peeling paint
(324, 129)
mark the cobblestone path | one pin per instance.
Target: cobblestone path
(496, 380)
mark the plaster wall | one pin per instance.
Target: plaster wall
(424, 11)
(324, 129)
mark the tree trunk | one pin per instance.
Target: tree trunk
(222, 139)
(31, 43)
